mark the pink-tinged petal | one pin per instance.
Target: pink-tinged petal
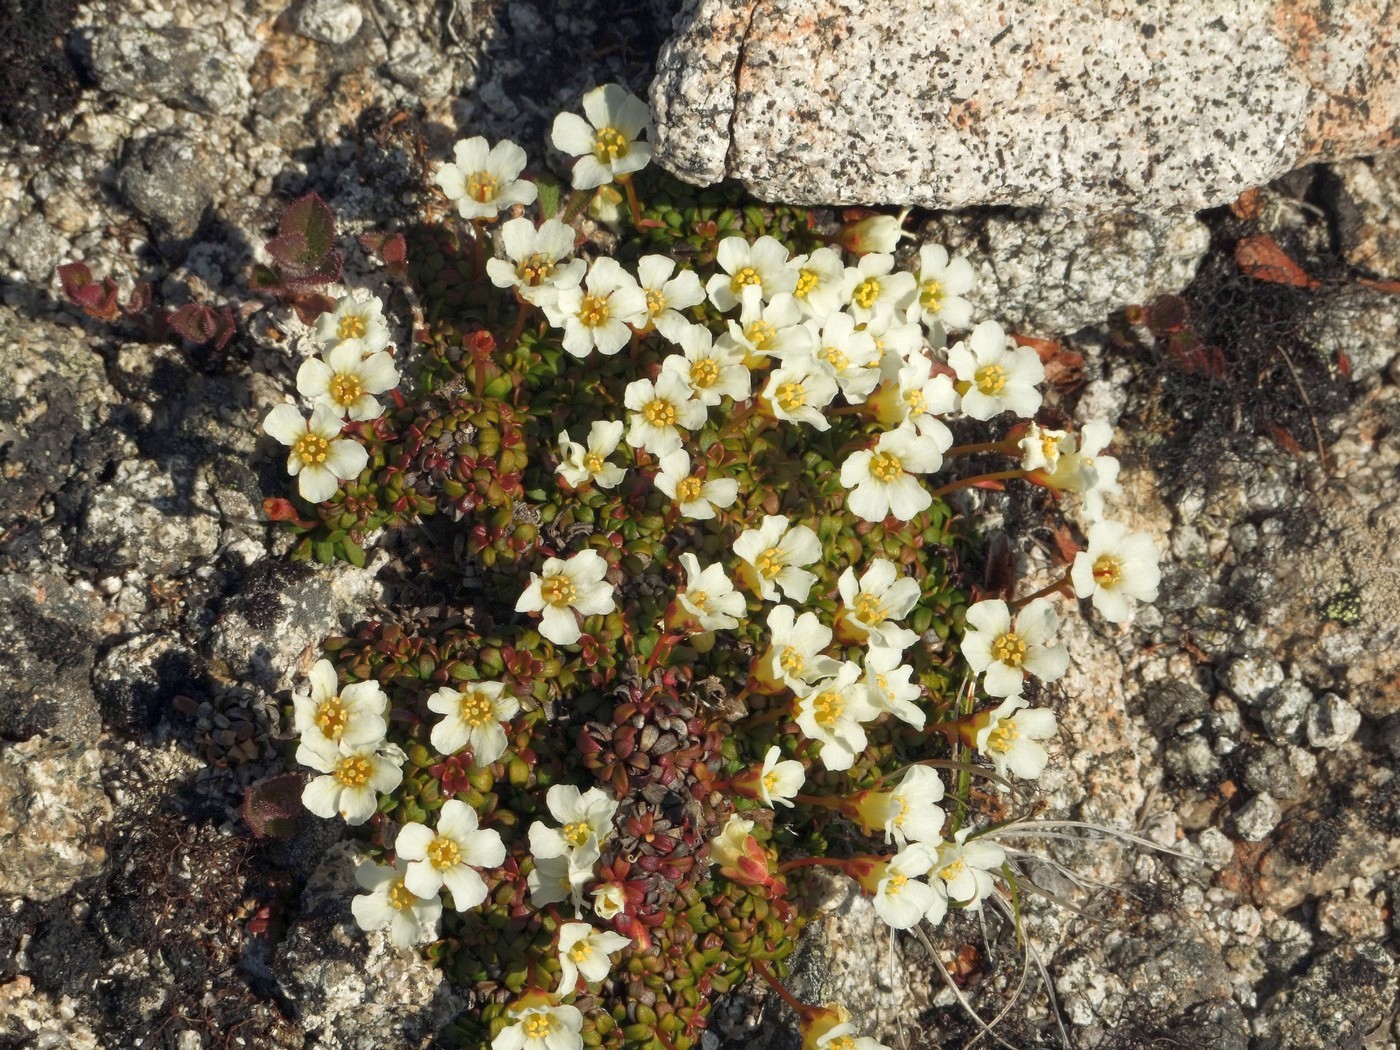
(316, 484)
(468, 889)
(412, 844)
(322, 796)
(285, 423)
(346, 458)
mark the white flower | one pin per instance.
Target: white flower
(360, 325)
(1003, 652)
(562, 878)
(564, 585)
(831, 711)
(763, 263)
(1008, 737)
(391, 903)
(942, 285)
(579, 465)
(897, 341)
(799, 390)
(356, 775)
(779, 781)
(1117, 566)
(772, 329)
(964, 869)
(795, 657)
(871, 285)
(882, 479)
(900, 898)
(667, 296)
(775, 553)
(910, 812)
(542, 1027)
(839, 1037)
(918, 397)
(820, 283)
(709, 596)
(583, 951)
(998, 377)
(876, 233)
(484, 180)
(586, 816)
(711, 369)
(883, 594)
(320, 458)
(1100, 471)
(891, 685)
(850, 356)
(609, 901)
(597, 314)
(473, 718)
(450, 856)
(347, 380)
(728, 846)
(698, 499)
(611, 146)
(534, 264)
(355, 714)
(658, 410)
(1043, 449)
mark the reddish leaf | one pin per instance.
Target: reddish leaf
(196, 323)
(311, 306)
(140, 300)
(1261, 257)
(1167, 314)
(1382, 286)
(1246, 206)
(309, 221)
(1064, 543)
(278, 509)
(1343, 364)
(999, 577)
(98, 301)
(271, 807)
(1284, 439)
(391, 247)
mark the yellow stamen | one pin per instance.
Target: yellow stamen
(931, 296)
(703, 373)
(746, 276)
(538, 1026)
(593, 311)
(656, 302)
(401, 897)
(885, 466)
(688, 489)
(609, 144)
(835, 357)
(990, 379)
(331, 717)
(558, 591)
(806, 281)
(1108, 571)
(952, 871)
(443, 853)
(770, 562)
(354, 771)
(869, 610)
(351, 326)
(660, 413)
(476, 707)
(482, 186)
(312, 448)
(1003, 737)
(866, 293)
(791, 396)
(345, 389)
(1009, 649)
(791, 661)
(535, 269)
(576, 834)
(581, 952)
(593, 462)
(827, 708)
(760, 334)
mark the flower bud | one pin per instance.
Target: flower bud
(878, 233)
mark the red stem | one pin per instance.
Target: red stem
(963, 483)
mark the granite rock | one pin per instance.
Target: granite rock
(49, 645)
(169, 180)
(333, 22)
(1345, 994)
(1366, 197)
(172, 64)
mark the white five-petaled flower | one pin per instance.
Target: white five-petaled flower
(583, 952)
(881, 479)
(1002, 651)
(354, 322)
(775, 554)
(586, 818)
(779, 781)
(450, 856)
(348, 380)
(881, 596)
(871, 285)
(995, 377)
(830, 711)
(473, 718)
(709, 596)
(764, 264)
(608, 143)
(562, 878)
(698, 499)
(1009, 737)
(848, 354)
(875, 233)
(892, 687)
(355, 776)
(597, 313)
(799, 390)
(484, 180)
(564, 585)
(667, 296)
(917, 396)
(711, 368)
(901, 899)
(909, 812)
(320, 458)
(942, 285)
(534, 264)
(820, 282)
(355, 714)
(391, 903)
(579, 465)
(541, 1026)
(659, 410)
(897, 341)
(771, 328)
(795, 655)
(964, 871)
(1096, 473)
(609, 901)
(1117, 567)
(1042, 450)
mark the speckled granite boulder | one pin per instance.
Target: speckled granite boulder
(1154, 106)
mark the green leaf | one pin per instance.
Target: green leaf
(354, 553)
(548, 197)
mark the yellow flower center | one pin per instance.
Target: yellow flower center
(841, 1042)
(345, 389)
(660, 413)
(482, 186)
(1108, 571)
(883, 683)
(312, 448)
(990, 379)
(952, 871)
(770, 562)
(400, 896)
(869, 610)
(351, 326)
(1009, 649)
(885, 466)
(918, 404)
(656, 301)
(770, 781)
(703, 373)
(576, 834)
(331, 717)
(699, 599)
(538, 1026)
(476, 708)
(354, 771)
(806, 281)
(688, 489)
(760, 334)
(895, 883)
(827, 708)
(593, 311)
(443, 853)
(535, 269)
(835, 357)
(866, 293)
(791, 661)
(931, 296)
(903, 813)
(593, 462)
(791, 396)
(1003, 736)
(581, 952)
(746, 276)
(609, 144)
(1050, 449)
(558, 591)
